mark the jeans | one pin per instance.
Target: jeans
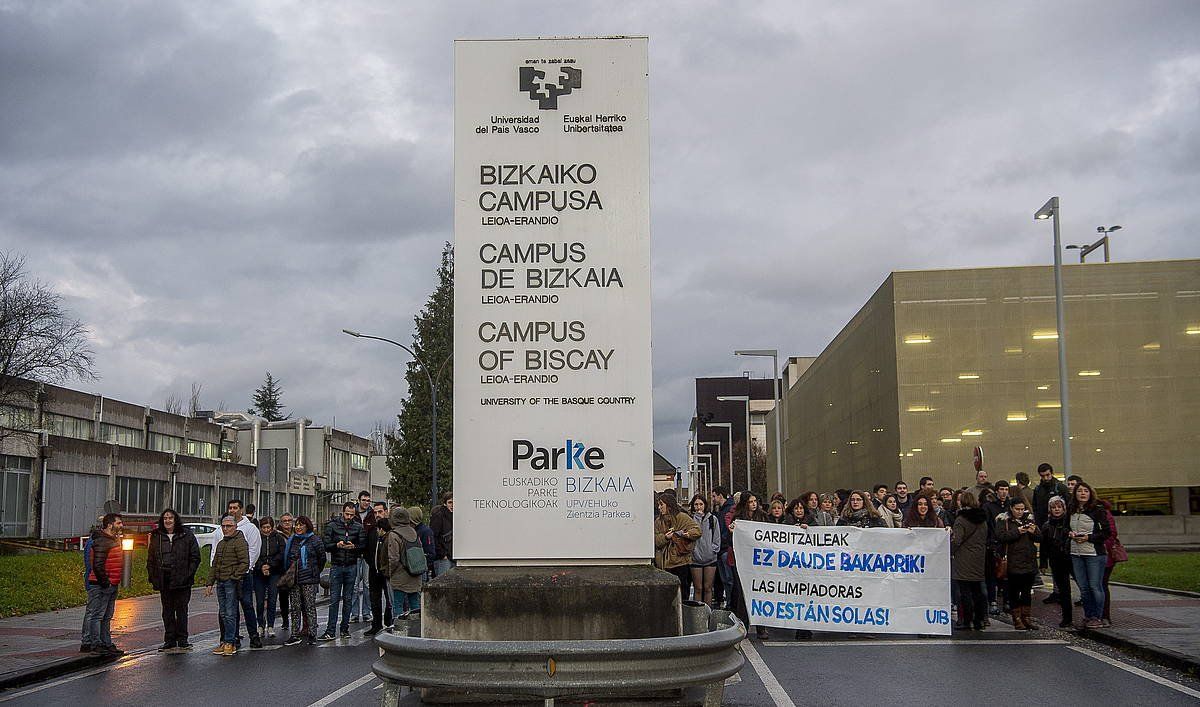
(406, 601)
(1089, 574)
(361, 592)
(265, 595)
(341, 587)
(97, 617)
(228, 593)
(247, 601)
(442, 566)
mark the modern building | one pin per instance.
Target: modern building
(940, 362)
(709, 433)
(66, 453)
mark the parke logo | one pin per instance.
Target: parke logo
(533, 81)
(577, 456)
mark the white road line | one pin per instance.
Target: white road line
(947, 642)
(774, 689)
(340, 693)
(1137, 671)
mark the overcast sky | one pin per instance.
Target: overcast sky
(218, 188)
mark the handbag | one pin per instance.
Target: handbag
(1117, 552)
(288, 580)
(1000, 566)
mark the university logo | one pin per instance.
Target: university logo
(576, 455)
(533, 82)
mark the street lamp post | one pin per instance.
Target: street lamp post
(729, 430)
(706, 474)
(774, 354)
(1051, 210)
(740, 399)
(718, 445)
(1085, 250)
(433, 486)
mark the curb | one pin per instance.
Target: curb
(1157, 654)
(83, 661)
(1160, 590)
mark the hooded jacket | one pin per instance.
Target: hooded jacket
(669, 554)
(106, 561)
(231, 559)
(178, 557)
(1017, 546)
(709, 544)
(402, 532)
(968, 545)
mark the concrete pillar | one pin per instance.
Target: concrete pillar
(1180, 501)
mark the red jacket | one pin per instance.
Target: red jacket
(107, 563)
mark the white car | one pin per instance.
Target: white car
(204, 533)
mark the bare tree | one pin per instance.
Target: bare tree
(173, 404)
(194, 400)
(39, 342)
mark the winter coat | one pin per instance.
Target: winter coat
(376, 538)
(180, 555)
(441, 522)
(425, 533)
(1017, 546)
(1055, 538)
(1112, 535)
(968, 545)
(341, 530)
(723, 513)
(820, 517)
(309, 551)
(1099, 535)
(106, 561)
(862, 519)
(271, 554)
(709, 544)
(890, 519)
(402, 532)
(1042, 493)
(669, 554)
(231, 559)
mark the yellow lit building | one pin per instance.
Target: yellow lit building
(939, 362)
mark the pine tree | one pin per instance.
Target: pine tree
(268, 400)
(409, 453)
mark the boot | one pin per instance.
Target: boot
(1027, 614)
(1018, 619)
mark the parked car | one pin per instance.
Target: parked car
(204, 533)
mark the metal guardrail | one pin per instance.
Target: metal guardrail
(551, 669)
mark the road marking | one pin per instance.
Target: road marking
(342, 692)
(945, 642)
(774, 689)
(1137, 671)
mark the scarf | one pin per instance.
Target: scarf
(287, 550)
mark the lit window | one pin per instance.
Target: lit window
(1045, 334)
(917, 339)
(1017, 416)
(972, 433)
(950, 440)
(1089, 373)
(1049, 405)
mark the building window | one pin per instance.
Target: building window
(227, 451)
(166, 443)
(360, 461)
(339, 470)
(1137, 501)
(14, 495)
(228, 493)
(194, 500)
(123, 436)
(204, 450)
(276, 461)
(142, 496)
(16, 418)
(67, 426)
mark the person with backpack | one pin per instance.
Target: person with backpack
(425, 533)
(406, 563)
(376, 558)
(441, 522)
(704, 554)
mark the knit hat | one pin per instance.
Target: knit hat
(1055, 499)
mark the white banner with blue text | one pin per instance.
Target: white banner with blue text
(872, 580)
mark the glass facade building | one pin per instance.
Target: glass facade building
(940, 362)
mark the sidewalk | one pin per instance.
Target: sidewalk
(1161, 626)
(41, 646)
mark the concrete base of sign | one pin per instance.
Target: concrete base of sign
(549, 604)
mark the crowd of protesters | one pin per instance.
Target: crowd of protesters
(1002, 538)
(378, 558)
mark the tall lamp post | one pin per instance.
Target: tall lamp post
(774, 354)
(718, 445)
(1085, 250)
(1050, 210)
(433, 486)
(729, 431)
(704, 476)
(739, 399)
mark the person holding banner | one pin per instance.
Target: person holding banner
(825, 515)
(704, 554)
(1017, 532)
(747, 508)
(968, 553)
(860, 512)
(890, 512)
(922, 514)
(675, 535)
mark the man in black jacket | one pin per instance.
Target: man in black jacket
(441, 521)
(344, 539)
(172, 558)
(381, 604)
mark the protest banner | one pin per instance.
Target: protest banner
(873, 580)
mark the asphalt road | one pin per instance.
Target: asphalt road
(995, 667)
